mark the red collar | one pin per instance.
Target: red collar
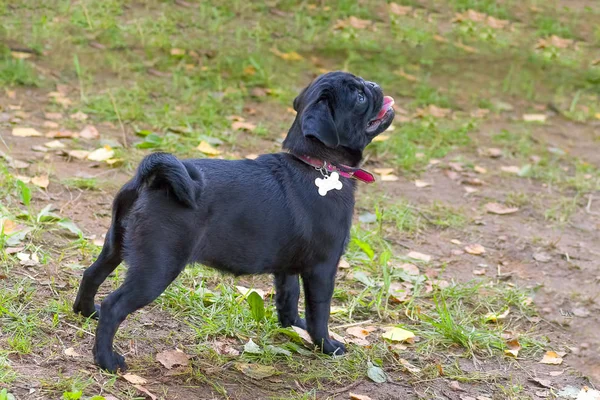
(343, 170)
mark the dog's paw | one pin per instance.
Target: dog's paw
(111, 361)
(333, 347)
(300, 323)
(87, 311)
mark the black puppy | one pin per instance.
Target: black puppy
(287, 214)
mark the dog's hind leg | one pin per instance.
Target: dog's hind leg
(287, 293)
(110, 256)
(148, 276)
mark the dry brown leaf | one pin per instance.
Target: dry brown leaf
(355, 396)
(11, 94)
(409, 367)
(440, 39)
(480, 170)
(225, 349)
(398, 292)
(434, 111)
(552, 358)
(50, 125)
(71, 352)
(235, 118)
(535, 117)
(454, 385)
(479, 272)
(422, 184)
(512, 169)
(135, 379)
(389, 178)
(343, 264)
(8, 226)
(410, 269)
(466, 48)
(513, 347)
(246, 291)
(406, 76)
(145, 391)
(554, 41)
(208, 149)
(21, 55)
(243, 126)
(353, 22)
(78, 154)
(250, 70)
(500, 209)
(79, 116)
(419, 256)
(475, 249)
(177, 52)
(497, 23)
(25, 132)
(41, 181)
(89, 132)
(397, 9)
(303, 335)
(171, 358)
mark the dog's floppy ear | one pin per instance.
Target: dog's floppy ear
(317, 122)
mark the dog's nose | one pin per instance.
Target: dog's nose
(373, 85)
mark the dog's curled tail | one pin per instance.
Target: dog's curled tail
(164, 169)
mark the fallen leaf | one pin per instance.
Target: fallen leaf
(587, 393)
(466, 48)
(208, 149)
(399, 335)
(89, 132)
(513, 348)
(255, 371)
(53, 116)
(422, 184)
(480, 170)
(475, 249)
(291, 56)
(136, 380)
(353, 22)
(400, 10)
(479, 272)
(25, 132)
(375, 373)
(259, 92)
(243, 126)
(551, 358)
(383, 171)
(542, 382)
(542, 257)
(454, 385)
(410, 269)
(177, 52)
(409, 367)
(343, 264)
(434, 111)
(492, 152)
(419, 256)
(78, 154)
(493, 317)
(304, 335)
(534, 117)
(554, 41)
(71, 352)
(251, 156)
(252, 348)
(62, 134)
(54, 144)
(512, 169)
(398, 292)
(354, 396)
(250, 70)
(225, 349)
(21, 55)
(389, 178)
(500, 209)
(41, 181)
(408, 77)
(79, 116)
(101, 154)
(171, 358)
(9, 227)
(50, 125)
(145, 391)
(358, 332)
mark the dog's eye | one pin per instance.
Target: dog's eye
(361, 97)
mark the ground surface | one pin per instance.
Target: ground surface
(497, 102)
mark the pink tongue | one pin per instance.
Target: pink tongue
(388, 102)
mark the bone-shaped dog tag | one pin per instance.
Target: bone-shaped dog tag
(328, 183)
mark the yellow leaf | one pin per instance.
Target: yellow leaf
(552, 358)
(8, 226)
(206, 148)
(513, 347)
(249, 70)
(399, 335)
(25, 132)
(492, 317)
(41, 181)
(20, 55)
(101, 154)
(291, 56)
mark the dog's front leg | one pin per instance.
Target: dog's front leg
(318, 290)
(287, 293)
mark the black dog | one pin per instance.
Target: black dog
(245, 217)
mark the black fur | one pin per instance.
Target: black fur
(241, 217)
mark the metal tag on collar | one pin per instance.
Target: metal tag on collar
(330, 181)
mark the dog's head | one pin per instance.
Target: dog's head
(339, 114)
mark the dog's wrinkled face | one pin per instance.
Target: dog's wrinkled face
(340, 109)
